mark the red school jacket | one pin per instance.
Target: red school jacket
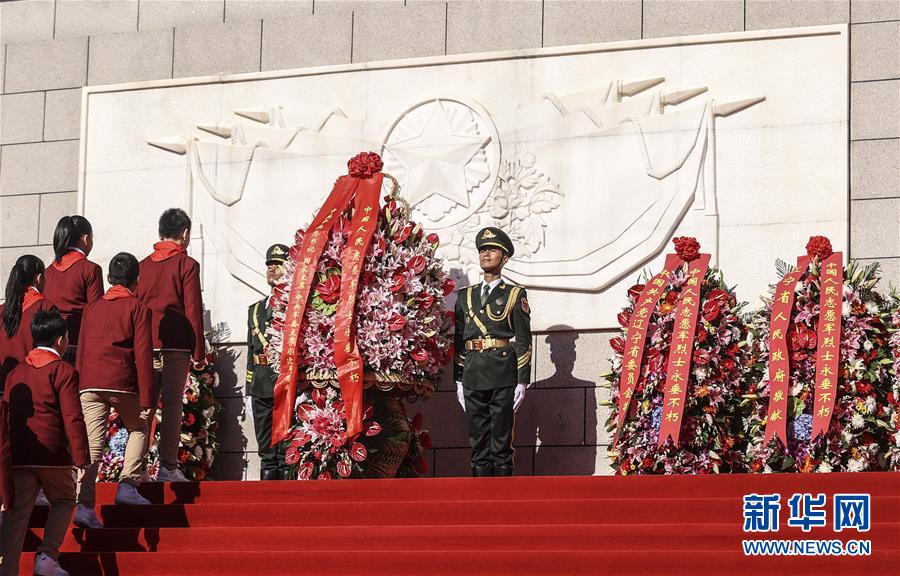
(116, 351)
(13, 349)
(169, 285)
(72, 284)
(46, 427)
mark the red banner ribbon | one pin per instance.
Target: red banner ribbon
(347, 358)
(681, 350)
(636, 336)
(314, 242)
(779, 361)
(828, 353)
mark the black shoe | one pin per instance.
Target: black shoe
(287, 474)
(483, 471)
(268, 474)
(503, 471)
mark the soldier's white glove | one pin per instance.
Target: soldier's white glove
(460, 397)
(518, 396)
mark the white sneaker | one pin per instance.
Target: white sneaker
(128, 494)
(174, 475)
(46, 566)
(85, 517)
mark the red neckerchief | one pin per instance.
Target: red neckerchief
(38, 358)
(118, 291)
(66, 261)
(165, 250)
(30, 297)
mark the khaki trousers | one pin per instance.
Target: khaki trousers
(59, 488)
(95, 407)
(172, 368)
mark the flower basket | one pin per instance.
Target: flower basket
(859, 431)
(707, 429)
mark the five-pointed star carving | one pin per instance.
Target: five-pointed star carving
(436, 158)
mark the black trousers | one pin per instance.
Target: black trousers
(271, 457)
(491, 418)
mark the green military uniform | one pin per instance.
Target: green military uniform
(261, 376)
(493, 355)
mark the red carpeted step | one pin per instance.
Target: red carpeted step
(524, 488)
(456, 537)
(478, 562)
(650, 510)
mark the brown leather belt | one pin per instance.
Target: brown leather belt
(486, 343)
(260, 359)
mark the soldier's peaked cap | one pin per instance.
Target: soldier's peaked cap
(277, 254)
(495, 238)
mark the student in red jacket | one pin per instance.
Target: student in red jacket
(47, 437)
(23, 301)
(73, 281)
(169, 285)
(115, 369)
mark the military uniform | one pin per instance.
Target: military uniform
(261, 376)
(493, 355)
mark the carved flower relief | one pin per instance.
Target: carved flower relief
(516, 204)
(520, 198)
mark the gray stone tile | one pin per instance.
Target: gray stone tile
(233, 466)
(875, 110)
(81, 18)
(19, 220)
(552, 417)
(220, 48)
(889, 269)
(21, 117)
(457, 462)
(157, 14)
(401, 32)
(595, 415)
(588, 21)
(54, 207)
(768, 14)
(498, 25)
(268, 10)
(689, 17)
(235, 433)
(874, 10)
(306, 41)
(63, 115)
(231, 365)
(571, 461)
(364, 7)
(44, 167)
(444, 419)
(571, 359)
(130, 57)
(875, 169)
(875, 51)
(26, 21)
(8, 257)
(46, 65)
(875, 228)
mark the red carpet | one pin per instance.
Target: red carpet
(520, 526)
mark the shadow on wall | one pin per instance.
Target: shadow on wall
(230, 432)
(559, 404)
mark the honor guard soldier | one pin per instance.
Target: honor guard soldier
(492, 365)
(261, 375)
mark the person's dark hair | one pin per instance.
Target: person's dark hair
(46, 327)
(20, 278)
(69, 230)
(123, 269)
(173, 222)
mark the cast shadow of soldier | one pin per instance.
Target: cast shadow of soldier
(559, 414)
